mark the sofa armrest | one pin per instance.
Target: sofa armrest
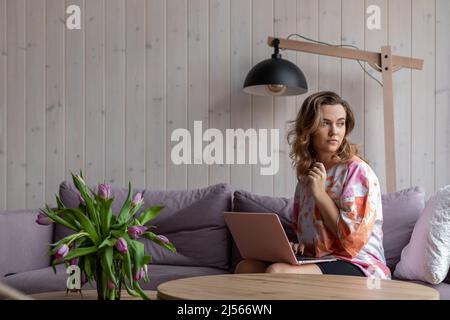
(23, 243)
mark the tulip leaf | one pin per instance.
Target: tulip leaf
(153, 237)
(110, 242)
(169, 246)
(58, 212)
(147, 260)
(104, 282)
(54, 217)
(81, 186)
(69, 219)
(124, 211)
(88, 267)
(119, 226)
(84, 242)
(118, 233)
(135, 209)
(67, 240)
(107, 264)
(127, 267)
(131, 292)
(60, 203)
(78, 252)
(149, 214)
(85, 223)
(105, 216)
(139, 290)
(137, 249)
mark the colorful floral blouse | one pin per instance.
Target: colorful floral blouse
(355, 190)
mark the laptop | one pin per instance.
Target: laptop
(261, 236)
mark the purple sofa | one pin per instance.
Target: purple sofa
(193, 221)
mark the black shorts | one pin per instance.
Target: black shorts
(340, 267)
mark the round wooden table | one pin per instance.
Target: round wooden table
(264, 286)
(86, 295)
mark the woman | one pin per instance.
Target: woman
(337, 205)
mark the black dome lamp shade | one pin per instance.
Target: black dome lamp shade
(275, 77)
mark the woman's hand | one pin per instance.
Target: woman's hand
(316, 177)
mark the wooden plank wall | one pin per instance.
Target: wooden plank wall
(423, 98)
(55, 102)
(399, 34)
(3, 104)
(35, 103)
(442, 129)
(107, 98)
(15, 104)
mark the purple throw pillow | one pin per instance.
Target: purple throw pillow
(400, 213)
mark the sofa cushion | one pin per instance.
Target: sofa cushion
(45, 280)
(191, 219)
(25, 244)
(400, 212)
(427, 256)
(248, 202)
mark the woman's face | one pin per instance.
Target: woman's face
(328, 137)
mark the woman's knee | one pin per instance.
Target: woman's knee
(276, 268)
(250, 266)
(280, 267)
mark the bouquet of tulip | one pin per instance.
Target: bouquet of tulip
(105, 246)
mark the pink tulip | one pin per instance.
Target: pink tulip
(121, 245)
(139, 275)
(137, 199)
(62, 252)
(43, 220)
(163, 239)
(111, 285)
(136, 231)
(104, 191)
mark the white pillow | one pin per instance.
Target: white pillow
(427, 256)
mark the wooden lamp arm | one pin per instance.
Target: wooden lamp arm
(373, 58)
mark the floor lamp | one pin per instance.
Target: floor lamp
(278, 77)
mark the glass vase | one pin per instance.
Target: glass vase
(106, 290)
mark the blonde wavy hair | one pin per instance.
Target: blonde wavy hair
(307, 122)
